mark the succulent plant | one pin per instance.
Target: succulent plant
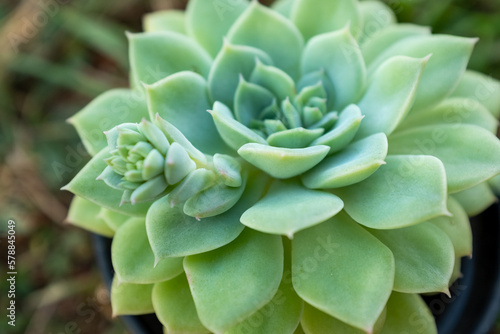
(305, 167)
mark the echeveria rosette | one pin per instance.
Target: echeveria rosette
(329, 183)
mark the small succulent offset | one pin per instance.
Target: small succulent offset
(307, 167)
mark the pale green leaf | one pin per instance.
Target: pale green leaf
(113, 219)
(131, 299)
(476, 199)
(250, 100)
(85, 214)
(284, 7)
(294, 138)
(375, 15)
(409, 189)
(274, 80)
(165, 20)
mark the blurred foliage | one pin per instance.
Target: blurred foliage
(56, 56)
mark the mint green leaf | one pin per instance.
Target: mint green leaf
(476, 199)
(470, 154)
(342, 270)
(288, 207)
(250, 100)
(338, 54)
(131, 299)
(457, 228)
(316, 322)
(232, 63)
(284, 7)
(355, 163)
(109, 109)
(133, 259)
(165, 20)
(424, 257)
(182, 99)
(173, 233)
(442, 73)
(85, 214)
(174, 306)
(408, 190)
(376, 16)
(294, 138)
(408, 313)
(208, 21)
(156, 55)
(390, 94)
(230, 283)
(274, 80)
(85, 185)
(281, 162)
(228, 169)
(113, 219)
(315, 17)
(482, 88)
(178, 164)
(195, 182)
(278, 37)
(376, 44)
(494, 183)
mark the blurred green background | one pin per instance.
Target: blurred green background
(55, 56)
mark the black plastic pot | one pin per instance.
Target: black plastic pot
(472, 309)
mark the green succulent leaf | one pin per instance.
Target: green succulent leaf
(85, 185)
(294, 138)
(165, 20)
(194, 183)
(375, 15)
(315, 17)
(109, 109)
(442, 73)
(174, 306)
(178, 164)
(288, 207)
(262, 28)
(228, 169)
(355, 163)
(113, 219)
(173, 233)
(250, 100)
(424, 257)
(338, 54)
(182, 99)
(156, 55)
(408, 312)
(406, 191)
(208, 21)
(86, 214)
(281, 162)
(477, 160)
(331, 262)
(476, 199)
(133, 259)
(274, 80)
(481, 88)
(230, 283)
(131, 299)
(390, 94)
(457, 228)
(316, 322)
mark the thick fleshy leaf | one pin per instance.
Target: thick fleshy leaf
(230, 283)
(85, 214)
(156, 55)
(177, 164)
(165, 20)
(274, 80)
(374, 45)
(173, 233)
(113, 219)
(182, 99)
(315, 17)
(195, 182)
(106, 111)
(278, 37)
(288, 207)
(331, 263)
(390, 95)
(424, 257)
(294, 138)
(470, 154)
(482, 88)
(284, 7)
(316, 322)
(232, 63)
(408, 313)
(457, 228)
(281, 162)
(442, 73)
(338, 54)
(376, 15)
(250, 100)
(409, 189)
(228, 169)
(355, 163)
(131, 299)
(208, 21)
(494, 183)
(476, 199)
(141, 268)
(456, 110)
(85, 185)
(174, 307)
